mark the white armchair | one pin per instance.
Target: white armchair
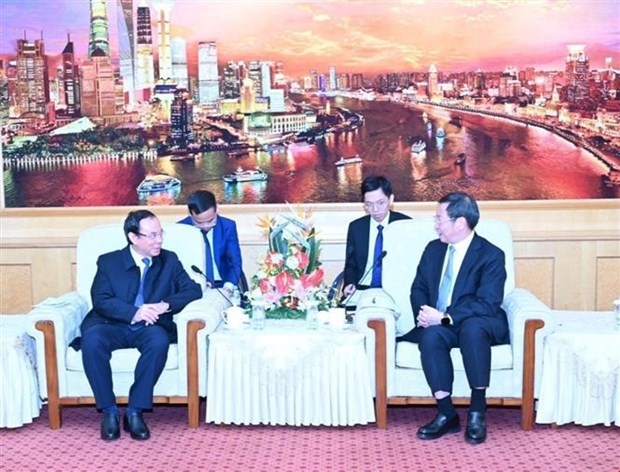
(396, 367)
(56, 322)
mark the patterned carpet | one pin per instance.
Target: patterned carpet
(173, 446)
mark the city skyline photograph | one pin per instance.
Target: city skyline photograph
(135, 102)
(354, 36)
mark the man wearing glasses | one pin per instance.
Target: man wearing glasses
(224, 264)
(364, 250)
(135, 293)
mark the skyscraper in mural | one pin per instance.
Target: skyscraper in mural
(70, 79)
(99, 37)
(163, 9)
(178, 49)
(126, 47)
(231, 84)
(145, 69)
(576, 74)
(181, 118)
(32, 86)
(208, 78)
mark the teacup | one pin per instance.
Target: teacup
(234, 317)
(337, 318)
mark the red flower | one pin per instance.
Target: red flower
(284, 282)
(303, 259)
(313, 279)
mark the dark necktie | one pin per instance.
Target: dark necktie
(209, 258)
(139, 301)
(445, 287)
(378, 266)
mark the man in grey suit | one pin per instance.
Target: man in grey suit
(362, 267)
(456, 298)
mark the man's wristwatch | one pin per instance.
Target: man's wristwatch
(446, 320)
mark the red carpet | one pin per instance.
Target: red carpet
(173, 446)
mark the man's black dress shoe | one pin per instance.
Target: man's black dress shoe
(476, 431)
(439, 426)
(135, 425)
(110, 427)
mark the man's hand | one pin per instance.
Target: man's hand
(349, 290)
(150, 312)
(429, 316)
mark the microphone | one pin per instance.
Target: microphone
(199, 272)
(244, 299)
(370, 269)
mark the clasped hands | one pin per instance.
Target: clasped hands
(429, 316)
(150, 312)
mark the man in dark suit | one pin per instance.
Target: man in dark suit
(224, 264)
(363, 238)
(135, 292)
(456, 297)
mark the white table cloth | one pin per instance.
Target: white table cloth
(19, 391)
(580, 381)
(287, 374)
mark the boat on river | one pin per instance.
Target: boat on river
(440, 133)
(159, 183)
(249, 175)
(343, 161)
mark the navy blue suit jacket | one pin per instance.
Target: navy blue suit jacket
(226, 250)
(116, 284)
(478, 288)
(358, 246)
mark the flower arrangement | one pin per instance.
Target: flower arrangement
(289, 274)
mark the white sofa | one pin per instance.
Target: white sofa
(55, 322)
(396, 367)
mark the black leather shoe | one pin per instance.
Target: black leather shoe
(476, 431)
(439, 426)
(110, 427)
(135, 425)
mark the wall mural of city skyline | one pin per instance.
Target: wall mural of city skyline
(438, 95)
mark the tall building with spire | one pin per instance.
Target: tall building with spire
(32, 84)
(208, 77)
(70, 80)
(163, 9)
(126, 47)
(145, 71)
(433, 81)
(101, 90)
(99, 36)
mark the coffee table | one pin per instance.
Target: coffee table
(287, 374)
(580, 381)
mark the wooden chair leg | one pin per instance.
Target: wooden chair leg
(529, 370)
(51, 373)
(380, 372)
(193, 398)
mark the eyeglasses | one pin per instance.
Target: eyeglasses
(153, 236)
(439, 221)
(379, 205)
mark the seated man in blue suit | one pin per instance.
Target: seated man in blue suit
(362, 267)
(456, 298)
(135, 292)
(224, 263)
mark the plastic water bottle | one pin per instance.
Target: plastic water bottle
(258, 314)
(617, 312)
(312, 314)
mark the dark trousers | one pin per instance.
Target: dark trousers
(100, 340)
(474, 337)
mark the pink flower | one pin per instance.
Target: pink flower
(303, 260)
(314, 279)
(284, 282)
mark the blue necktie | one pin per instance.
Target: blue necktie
(445, 287)
(139, 301)
(209, 258)
(378, 266)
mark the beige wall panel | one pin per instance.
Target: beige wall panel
(607, 282)
(15, 288)
(536, 275)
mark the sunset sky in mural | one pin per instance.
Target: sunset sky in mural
(355, 36)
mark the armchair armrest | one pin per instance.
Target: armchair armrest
(54, 323)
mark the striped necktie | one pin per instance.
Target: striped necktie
(139, 301)
(378, 265)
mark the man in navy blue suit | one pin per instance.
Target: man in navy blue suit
(361, 250)
(456, 298)
(224, 264)
(135, 293)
